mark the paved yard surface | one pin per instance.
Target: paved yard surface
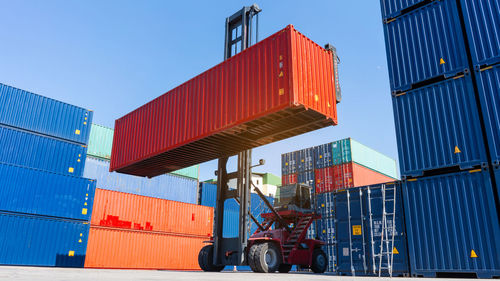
(71, 274)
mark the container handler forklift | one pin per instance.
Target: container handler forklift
(267, 250)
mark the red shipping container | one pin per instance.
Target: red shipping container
(130, 211)
(324, 180)
(131, 249)
(281, 87)
(289, 179)
(352, 175)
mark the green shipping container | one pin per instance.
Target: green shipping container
(101, 141)
(271, 179)
(349, 150)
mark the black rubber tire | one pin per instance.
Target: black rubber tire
(261, 263)
(319, 261)
(250, 257)
(205, 259)
(284, 268)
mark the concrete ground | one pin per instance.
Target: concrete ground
(77, 274)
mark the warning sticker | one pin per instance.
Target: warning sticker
(395, 251)
(356, 230)
(473, 254)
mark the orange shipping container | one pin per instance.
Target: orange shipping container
(133, 249)
(353, 175)
(130, 211)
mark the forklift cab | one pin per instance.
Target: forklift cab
(293, 197)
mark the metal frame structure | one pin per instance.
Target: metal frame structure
(231, 251)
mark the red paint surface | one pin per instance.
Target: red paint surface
(352, 175)
(324, 180)
(289, 179)
(215, 114)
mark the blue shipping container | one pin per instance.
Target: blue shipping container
(289, 163)
(438, 126)
(394, 8)
(42, 241)
(488, 83)
(323, 156)
(37, 151)
(307, 178)
(325, 229)
(359, 258)
(305, 160)
(482, 24)
(32, 112)
(426, 43)
(166, 186)
(331, 253)
(452, 225)
(325, 204)
(31, 191)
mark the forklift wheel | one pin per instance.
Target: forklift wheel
(284, 268)
(250, 257)
(267, 257)
(319, 261)
(206, 258)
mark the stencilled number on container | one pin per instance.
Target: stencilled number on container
(377, 228)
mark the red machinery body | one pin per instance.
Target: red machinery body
(291, 243)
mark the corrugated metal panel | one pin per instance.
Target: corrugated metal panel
(488, 83)
(352, 175)
(100, 141)
(325, 204)
(438, 126)
(31, 191)
(169, 187)
(362, 231)
(331, 253)
(190, 172)
(394, 8)
(125, 210)
(349, 150)
(458, 222)
(115, 248)
(37, 151)
(323, 156)
(307, 178)
(289, 179)
(305, 159)
(36, 113)
(325, 228)
(425, 43)
(280, 87)
(324, 180)
(482, 23)
(289, 163)
(42, 241)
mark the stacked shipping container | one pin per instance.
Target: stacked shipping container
(443, 59)
(45, 204)
(334, 167)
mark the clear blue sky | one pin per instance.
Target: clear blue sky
(113, 56)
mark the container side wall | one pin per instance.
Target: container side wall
(393, 8)
(32, 191)
(37, 151)
(28, 111)
(323, 156)
(100, 141)
(41, 241)
(372, 159)
(305, 160)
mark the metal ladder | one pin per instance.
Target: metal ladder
(385, 240)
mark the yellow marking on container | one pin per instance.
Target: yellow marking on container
(77, 160)
(85, 204)
(474, 171)
(79, 155)
(77, 131)
(80, 241)
(85, 118)
(282, 91)
(281, 57)
(458, 76)
(395, 251)
(86, 194)
(71, 169)
(84, 211)
(457, 150)
(84, 123)
(390, 20)
(322, 205)
(473, 254)
(486, 68)
(71, 253)
(324, 231)
(281, 74)
(389, 183)
(441, 61)
(329, 104)
(81, 234)
(286, 163)
(356, 230)
(321, 156)
(302, 160)
(316, 98)
(412, 179)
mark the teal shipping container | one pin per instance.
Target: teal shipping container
(349, 150)
(101, 142)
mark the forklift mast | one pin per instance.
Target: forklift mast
(231, 251)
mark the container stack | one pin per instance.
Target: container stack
(45, 203)
(443, 59)
(333, 167)
(132, 231)
(143, 223)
